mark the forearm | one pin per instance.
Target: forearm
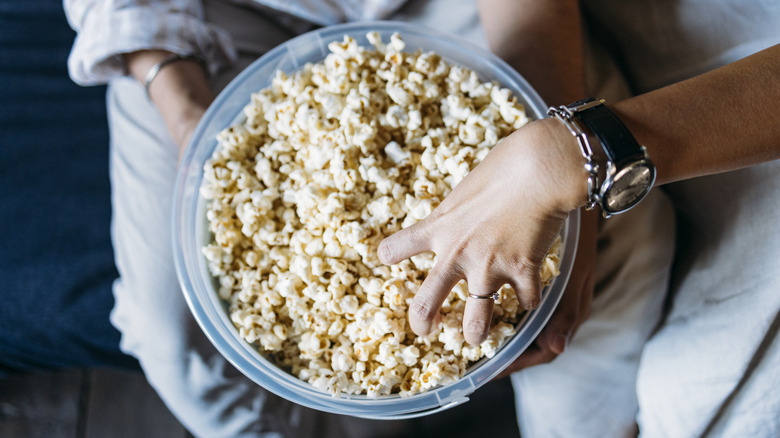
(716, 122)
(180, 91)
(542, 40)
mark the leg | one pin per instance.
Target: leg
(207, 394)
(589, 390)
(712, 368)
(200, 388)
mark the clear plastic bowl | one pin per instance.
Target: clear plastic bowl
(191, 231)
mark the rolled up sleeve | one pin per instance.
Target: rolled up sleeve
(106, 29)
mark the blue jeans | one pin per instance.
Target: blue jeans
(56, 261)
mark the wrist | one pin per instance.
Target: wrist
(572, 170)
(146, 66)
(592, 164)
(141, 61)
(180, 90)
(625, 174)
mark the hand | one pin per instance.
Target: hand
(575, 305)
(496, 226)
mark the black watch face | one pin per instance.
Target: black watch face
(629, 186)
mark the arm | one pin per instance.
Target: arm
(719, 121)
(180, 91)
(542, 40)
(716, 122)
(115, 40)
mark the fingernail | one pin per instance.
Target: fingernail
(558, 344)
(383, 252)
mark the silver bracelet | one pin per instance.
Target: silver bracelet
(152, 73)
(563, 114)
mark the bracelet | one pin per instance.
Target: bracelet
(563, 114)
(170, 59)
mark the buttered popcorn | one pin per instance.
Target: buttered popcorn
(329, 161)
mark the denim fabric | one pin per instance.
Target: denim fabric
(56, 261)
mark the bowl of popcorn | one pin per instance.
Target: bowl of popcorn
(301, 166)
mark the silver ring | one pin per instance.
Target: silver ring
(493, 296)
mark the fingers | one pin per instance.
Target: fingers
(527, 284)
(571, 312)
(404, 244)
(562, 324)
(485, 277)
(553, 339)
(477, 317)
(478, 312)
(424, 308)
(573, 309)
(575, 305)
(533, 355)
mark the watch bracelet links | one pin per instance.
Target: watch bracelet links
(155, 69)
(565, 116)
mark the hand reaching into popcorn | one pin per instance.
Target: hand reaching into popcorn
(496, 226)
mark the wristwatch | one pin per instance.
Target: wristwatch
(629, 174)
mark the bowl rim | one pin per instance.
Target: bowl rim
(204, 303)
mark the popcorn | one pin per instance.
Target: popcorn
(329, 161)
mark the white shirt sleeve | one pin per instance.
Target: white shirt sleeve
(108, 28)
